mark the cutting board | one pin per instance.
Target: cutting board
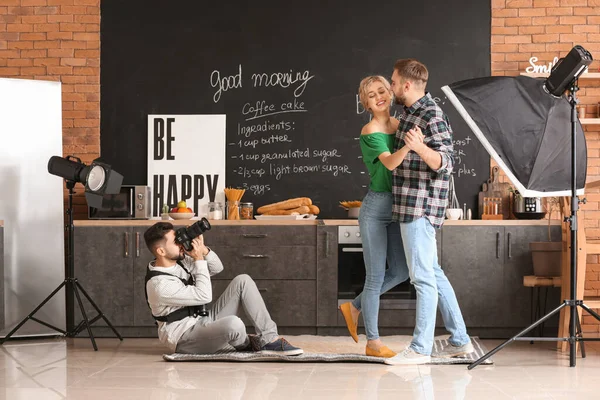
(494, 188)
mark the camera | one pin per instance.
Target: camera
(184, 236)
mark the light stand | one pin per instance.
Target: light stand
(574, 324)
(97, 178)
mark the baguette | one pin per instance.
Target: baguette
(294, 211)
(312, 209)
(285, 205)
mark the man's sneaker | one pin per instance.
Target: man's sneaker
(280, 346)
(408, 357)
(450, 350)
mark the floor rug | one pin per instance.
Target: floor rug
(313, 352)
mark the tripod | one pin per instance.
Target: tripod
(574, 333)
(72, 286)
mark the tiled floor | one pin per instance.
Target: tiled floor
(133, 369)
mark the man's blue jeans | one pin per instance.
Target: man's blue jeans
(432, 286)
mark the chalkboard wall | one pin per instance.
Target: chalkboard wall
(286, 76)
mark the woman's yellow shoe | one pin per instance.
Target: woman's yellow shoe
(350, 324)
(383, 351)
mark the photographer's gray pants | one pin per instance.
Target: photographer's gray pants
(223, 327)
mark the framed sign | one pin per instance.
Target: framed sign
(186, 160)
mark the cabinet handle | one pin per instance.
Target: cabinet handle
(509, 246)
(254, 235)
(126, 244)
(263, 290)
(255, 256)
(497, 244)
(137, 244)
(326, 244)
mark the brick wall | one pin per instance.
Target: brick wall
(59, 40)
(546, 29)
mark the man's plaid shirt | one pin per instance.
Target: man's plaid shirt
(418, 190)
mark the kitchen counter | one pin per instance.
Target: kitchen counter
(327, 222)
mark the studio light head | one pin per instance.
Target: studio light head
(567, 70)
(98, 177)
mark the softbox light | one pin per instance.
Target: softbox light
(525, 130)
(98, 177)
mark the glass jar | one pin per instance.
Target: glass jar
(233, 209)
(246, 210)
(215, 210)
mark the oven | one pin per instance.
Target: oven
(351, 274)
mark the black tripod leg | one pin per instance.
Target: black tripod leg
(85, 318)
(87, 296)
(579, 333)
(524, 331)
(592, 312)
(27, 318)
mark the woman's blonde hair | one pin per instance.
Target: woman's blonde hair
(363, 95)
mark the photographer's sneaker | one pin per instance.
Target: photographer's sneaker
(451, 350)
(407, 357)
(280, 346)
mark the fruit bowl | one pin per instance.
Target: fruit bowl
(178, 215)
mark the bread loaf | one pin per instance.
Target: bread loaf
(293, 211)
(285, 205)
(312, 209)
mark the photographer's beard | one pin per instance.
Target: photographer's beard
(176, 256)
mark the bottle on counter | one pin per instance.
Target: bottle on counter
(246, 210)
(215, 210)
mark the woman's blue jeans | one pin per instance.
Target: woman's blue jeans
(381, 242)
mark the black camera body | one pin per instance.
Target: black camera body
(184, 236)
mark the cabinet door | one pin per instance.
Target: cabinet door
(290, 303)
(267, 262)
(473, 258)
(103, 266)
(327, 276)
(260, 235)
(142, 316)
(518, 263)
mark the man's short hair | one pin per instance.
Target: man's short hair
(412, 70)
(155, 235)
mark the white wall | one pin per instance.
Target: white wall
(31, 203)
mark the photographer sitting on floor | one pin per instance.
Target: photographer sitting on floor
(178, 283)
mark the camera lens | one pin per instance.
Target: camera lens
(184, 236)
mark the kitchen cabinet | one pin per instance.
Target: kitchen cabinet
(472, 259)
(291, 303)
(111, 263)
(327, 276)
(141, 256)
(517, 264)
(296, 269)
(486, 266)
(282, 260)
(104, 267)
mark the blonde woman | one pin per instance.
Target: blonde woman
(380, 236)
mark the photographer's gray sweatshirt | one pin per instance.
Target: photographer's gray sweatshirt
(167, 294)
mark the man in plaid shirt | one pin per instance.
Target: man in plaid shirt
(420, 189)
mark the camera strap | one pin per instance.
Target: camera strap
(184, 312)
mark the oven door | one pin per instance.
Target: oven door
(351, 280)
